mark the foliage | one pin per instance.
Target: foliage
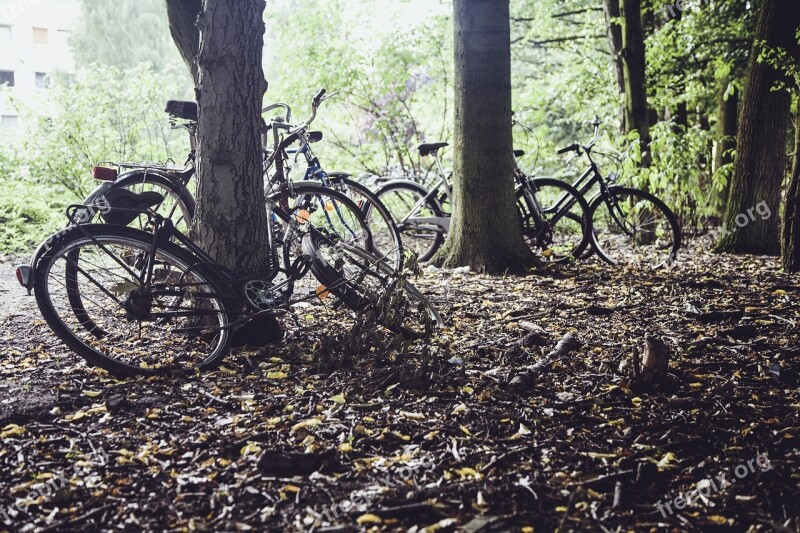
(103, 116)
(28, 213)
(394, 85)
(124, 34)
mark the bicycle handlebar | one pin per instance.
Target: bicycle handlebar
(569, 148)
(587, 148)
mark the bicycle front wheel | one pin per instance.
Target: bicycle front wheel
(150, 312)
(555, 220)
(367, 284)
(633, 227)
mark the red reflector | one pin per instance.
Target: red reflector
(105, 173)
(19, 277)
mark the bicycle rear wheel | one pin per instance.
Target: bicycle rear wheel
(633, 227)
(367, 284)
(560, 231)
(412, 215)
(174, 320)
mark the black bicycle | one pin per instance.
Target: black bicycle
(140, 303)
(629, 226)
(556, 232)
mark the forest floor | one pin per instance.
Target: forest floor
(300, 437)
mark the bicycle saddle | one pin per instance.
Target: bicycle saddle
(126, 205)
(429, 148)
(519, 153)
(184, 110)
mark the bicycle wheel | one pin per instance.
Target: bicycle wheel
(311, 205)
(367, 284)
(178, 205)
(560, 231)
(385, 237)
(633, 227)
(174, 320)
(412, 210)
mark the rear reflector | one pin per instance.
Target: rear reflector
(105, 173)
(24, 275)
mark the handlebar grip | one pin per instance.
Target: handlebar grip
(570, 148)
(319, 96)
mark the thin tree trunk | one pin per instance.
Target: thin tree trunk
(614, 32)
(485, 233)
(727, 126)
(760, 164)
(791, 217)
(182, 20)
(633, 55)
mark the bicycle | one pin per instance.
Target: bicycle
(635, 227)
(158, 304)
(555, 234)
(173, 183)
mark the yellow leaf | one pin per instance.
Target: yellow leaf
(695, 385)
(528, 529)
(668, 461)
(779, 292)
(467, 389)
(523, 430)
(412, 416)
(368, 519)
(311, 422)
(594, 455)
(12, 430)
(468, 472)
(226, 370)
(460, 408)
(250, 449)
(91, 393)
(561, 509)
(466, 430)
(717, 519)
(345, 447)
(339, 398)
(291, 488)
(277, 375)
(795, 407)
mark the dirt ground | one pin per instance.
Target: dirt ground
(300, 437)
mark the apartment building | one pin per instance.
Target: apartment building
(34, 38)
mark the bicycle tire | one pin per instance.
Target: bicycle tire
(601, 242)
(107, 235)
(540, 238)
(417, 316)
(424, 243)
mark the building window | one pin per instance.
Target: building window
(7, 77)
(62, 37)
(39, 35)
(8, 122)
(5, 34)
(42, 80)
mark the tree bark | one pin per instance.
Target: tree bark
(791, 217)
(727, 126)
(485, 233)
(633, 56)
(222, 42)
(614, 32)
(760, 165)
(182, 25)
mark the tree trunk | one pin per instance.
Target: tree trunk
(182, 25)
(222, 42)
(791, 215)
(760, 164)
(633, 56)
(614, 32)
(727, 124)
(485, 233)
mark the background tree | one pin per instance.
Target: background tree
(637, 116)
(760, 165)
(790, 241)
(485, 233)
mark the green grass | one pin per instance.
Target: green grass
(28, 214)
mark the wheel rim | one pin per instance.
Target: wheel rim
(400, 203)
(185, 328)
(562, 234)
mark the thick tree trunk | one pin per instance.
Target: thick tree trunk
(791, 217)
(633, 56)
(760, 164)
(231, 221)
(222, 42)
(614, 32)
(485, 233)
